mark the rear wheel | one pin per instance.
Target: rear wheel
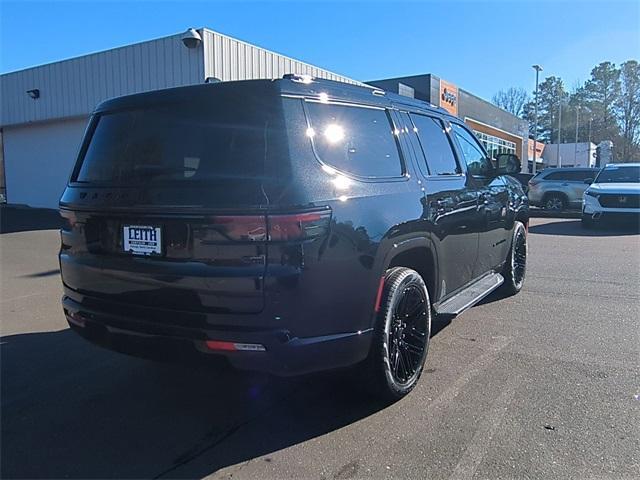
(401, 338)
(555, 203)
(516, 266)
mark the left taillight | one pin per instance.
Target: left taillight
(69, 220)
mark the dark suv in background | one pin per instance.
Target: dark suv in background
(291, 226)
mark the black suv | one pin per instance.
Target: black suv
(289, 225)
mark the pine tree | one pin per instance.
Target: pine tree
(628, 111)
(600, 95)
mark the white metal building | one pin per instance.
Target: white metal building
(44, 110)
(570, 155)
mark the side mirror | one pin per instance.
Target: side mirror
(507, 164)
(588, 181)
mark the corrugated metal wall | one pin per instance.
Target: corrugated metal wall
(74, 87)
(227, 59)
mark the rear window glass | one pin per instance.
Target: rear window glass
(354, 140)
(228, 138)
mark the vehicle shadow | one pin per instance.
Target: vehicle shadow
(73, 410)
(21, 218)
(574, 228)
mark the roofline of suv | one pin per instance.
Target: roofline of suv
(292, 85)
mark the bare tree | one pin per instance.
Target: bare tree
(512, 100)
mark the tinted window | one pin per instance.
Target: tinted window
(354, 140)
(477, 162)
(179, 142)
(619, 175)
(580, 175)
(436, 146)
(558, 176)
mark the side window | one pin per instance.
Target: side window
(355, 140)
(557, 176)
(580, 175)
(478, 164)
(435, 145)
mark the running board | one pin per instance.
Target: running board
(470, 295)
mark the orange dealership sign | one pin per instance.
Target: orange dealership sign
(449, 97)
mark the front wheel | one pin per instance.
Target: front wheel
(587, 221)
(401, 338)
(515, 267)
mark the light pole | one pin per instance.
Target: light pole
(538, 69)
(559, 159)
(575, 151)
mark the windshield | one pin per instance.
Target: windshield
(180, 143)
(619, 175)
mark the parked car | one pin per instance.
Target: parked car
(614, 194)
(558, 189)
(290, 226)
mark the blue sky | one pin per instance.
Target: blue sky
(480, 46)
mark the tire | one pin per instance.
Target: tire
(401, 335)
(555, 202)
(515, 268)
(587, 222)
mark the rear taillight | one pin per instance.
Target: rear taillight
(69, 220)
(241, 227)
(298, 226)
(274, 228)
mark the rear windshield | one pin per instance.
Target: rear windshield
(225, 139)
(619, 175)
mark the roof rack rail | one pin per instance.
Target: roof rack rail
(295, 77)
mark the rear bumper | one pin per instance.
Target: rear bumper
(284, 355)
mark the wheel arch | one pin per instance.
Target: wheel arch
(419, 255)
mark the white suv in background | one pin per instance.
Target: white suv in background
(614, 194)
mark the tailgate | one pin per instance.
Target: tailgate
(200, 265)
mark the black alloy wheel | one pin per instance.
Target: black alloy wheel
(402, 334)
(515, 267)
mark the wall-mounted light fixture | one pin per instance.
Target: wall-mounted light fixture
(191, 38)
(35, 93)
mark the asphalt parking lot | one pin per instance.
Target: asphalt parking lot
(541, 385)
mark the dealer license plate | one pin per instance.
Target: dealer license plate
(142, 240)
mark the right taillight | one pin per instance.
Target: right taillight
(298, 226)
(275, 228)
